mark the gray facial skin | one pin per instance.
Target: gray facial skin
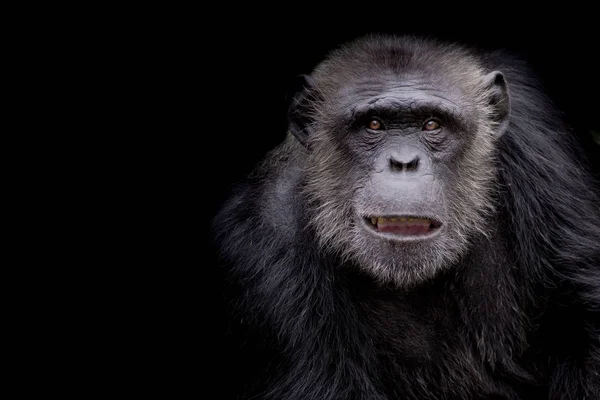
(401, 170)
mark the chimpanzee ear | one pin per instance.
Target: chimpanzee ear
(499, 100)
(299, 117)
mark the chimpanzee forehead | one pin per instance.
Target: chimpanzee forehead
(401, 91)
(385, 63)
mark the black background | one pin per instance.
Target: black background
(204, 92)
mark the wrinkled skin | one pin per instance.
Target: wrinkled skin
(370, 173)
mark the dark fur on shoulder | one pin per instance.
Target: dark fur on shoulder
(514, 314)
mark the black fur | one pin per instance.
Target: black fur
(516, 317)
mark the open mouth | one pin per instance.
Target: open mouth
(404, 225)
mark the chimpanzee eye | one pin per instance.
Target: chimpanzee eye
(375, 124)
(431, 125)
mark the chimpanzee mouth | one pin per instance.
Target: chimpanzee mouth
(404, 226)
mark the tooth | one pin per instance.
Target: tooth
(402, 219)
(393, 219)
(374, 221)
(380, 220)
(410, 220)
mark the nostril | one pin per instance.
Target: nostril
(396, 166)
(411, 166)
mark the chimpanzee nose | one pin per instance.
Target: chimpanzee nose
(404, 162)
